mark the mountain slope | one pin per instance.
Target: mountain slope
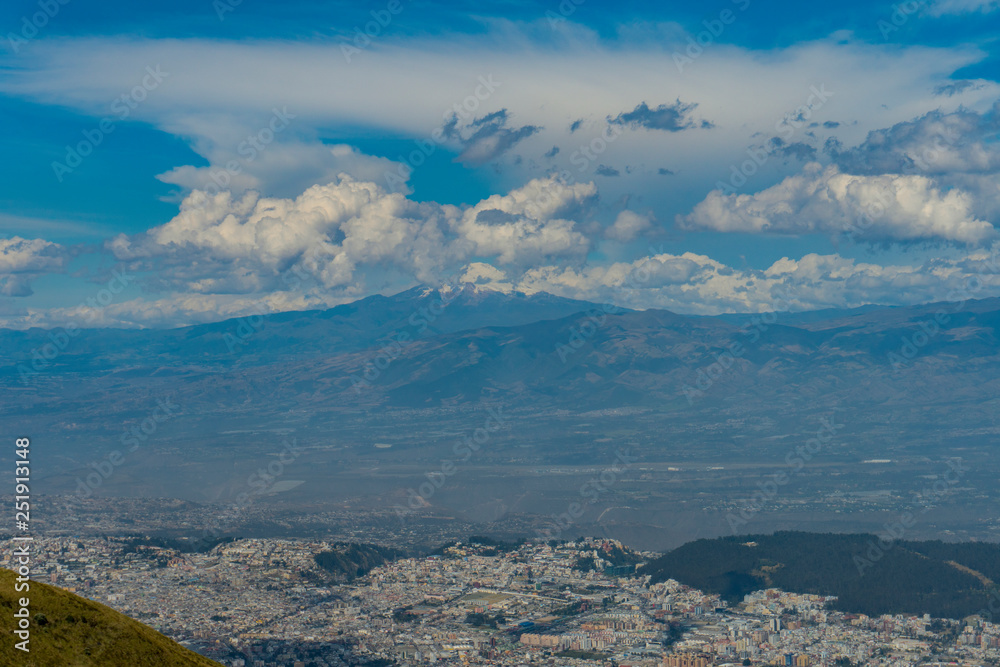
(651, 358)
(282, 337)
(369, 354)
(699, 384)
(71, 630)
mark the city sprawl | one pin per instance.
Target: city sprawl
(262, 602)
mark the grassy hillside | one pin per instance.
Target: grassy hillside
(944, 580)
(70, 631)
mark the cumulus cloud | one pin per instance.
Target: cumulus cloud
(666, 117)
(278, 168)
(23, 260)
(226, 244)
(878, 208)
(628, 225)
(347, 236)
(529, 223)
(19, 255)
(931, 178)
(697, 284)
(238, 244)
(686, 283)
(486, 276)
(934, 143)
(640, 283)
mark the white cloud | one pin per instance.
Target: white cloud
(947, 7)
(350, 236)
(279, 169)
(529, 223)
(628, 225)
(687, 283)
(177, 309)
(886, 207)
(697, 284)
(23, 260)
(935, 143)
(334, 233)
(19, 255)
(486, 276)
(220, 92)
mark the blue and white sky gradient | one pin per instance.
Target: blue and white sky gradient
(236, 157)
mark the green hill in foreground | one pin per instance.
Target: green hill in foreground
(70, 631)
(942, 579)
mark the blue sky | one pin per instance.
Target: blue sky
(845, 153)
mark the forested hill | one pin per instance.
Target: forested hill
(941, 579)
(348, 561)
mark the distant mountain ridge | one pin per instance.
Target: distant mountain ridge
(910, 378)
(419, 312)
(538, 350)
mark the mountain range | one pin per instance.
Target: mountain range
(393, 381)
(422, 348)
